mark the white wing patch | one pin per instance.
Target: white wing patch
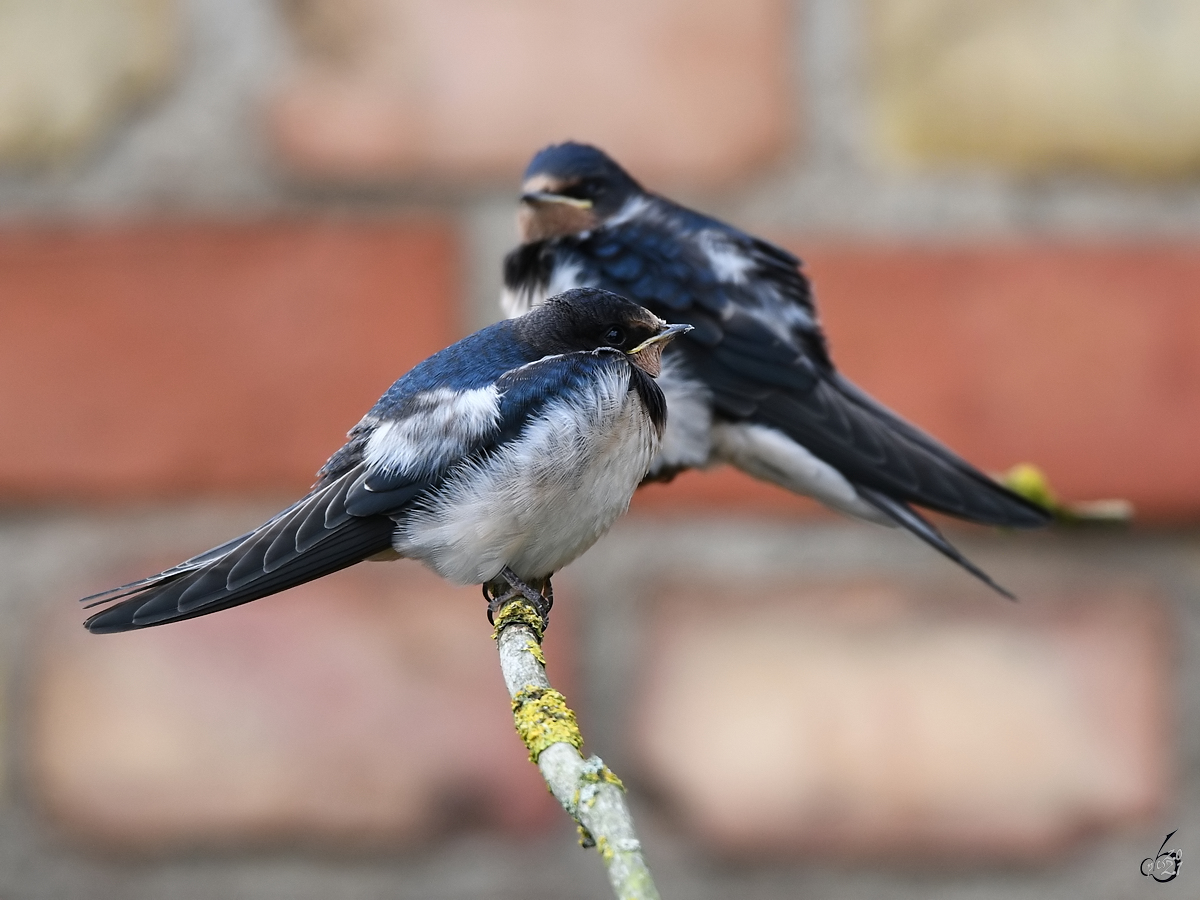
(442, 428)
(729, 263)
(634, 208)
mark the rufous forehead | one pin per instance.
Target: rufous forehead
(543, 182)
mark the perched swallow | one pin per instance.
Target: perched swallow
(496, 461)
(753, 384)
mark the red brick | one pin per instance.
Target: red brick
(364, 709)
(455, 89)
(179, 359)
(866, 722)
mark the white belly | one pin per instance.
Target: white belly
(542, 499)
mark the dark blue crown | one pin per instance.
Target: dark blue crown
(570, 161)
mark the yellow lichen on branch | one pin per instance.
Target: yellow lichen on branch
(543, 718)
(519, 612)
(535, 650)
(587, 789)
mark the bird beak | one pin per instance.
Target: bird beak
(548, 197)
(647, 355)
(663, 336)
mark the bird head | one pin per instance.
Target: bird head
(569, 188)
(590, 319)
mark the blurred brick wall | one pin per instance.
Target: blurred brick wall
(178, 359)
(225, 227)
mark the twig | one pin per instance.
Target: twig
(1031, 483)
(590, 793)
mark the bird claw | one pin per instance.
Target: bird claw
(508, 587)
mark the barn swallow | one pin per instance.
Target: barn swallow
(753, 384)
(496, 461)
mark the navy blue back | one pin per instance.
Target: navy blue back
(474, 362)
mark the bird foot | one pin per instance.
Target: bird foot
(508, 587)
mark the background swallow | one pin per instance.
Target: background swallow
(753, 384)
(499, 459)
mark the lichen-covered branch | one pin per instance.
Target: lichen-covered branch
(590, 793)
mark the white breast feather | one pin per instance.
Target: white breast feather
(517, 302)
(563, 277)
(687, 440)
(544, 498)
(566, 276)
(444, 426)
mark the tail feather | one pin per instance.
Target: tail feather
(311, 538)
(206, 590)
(908, 518)
(176, 571)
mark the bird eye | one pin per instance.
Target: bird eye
(615, 336)
(584, 189)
